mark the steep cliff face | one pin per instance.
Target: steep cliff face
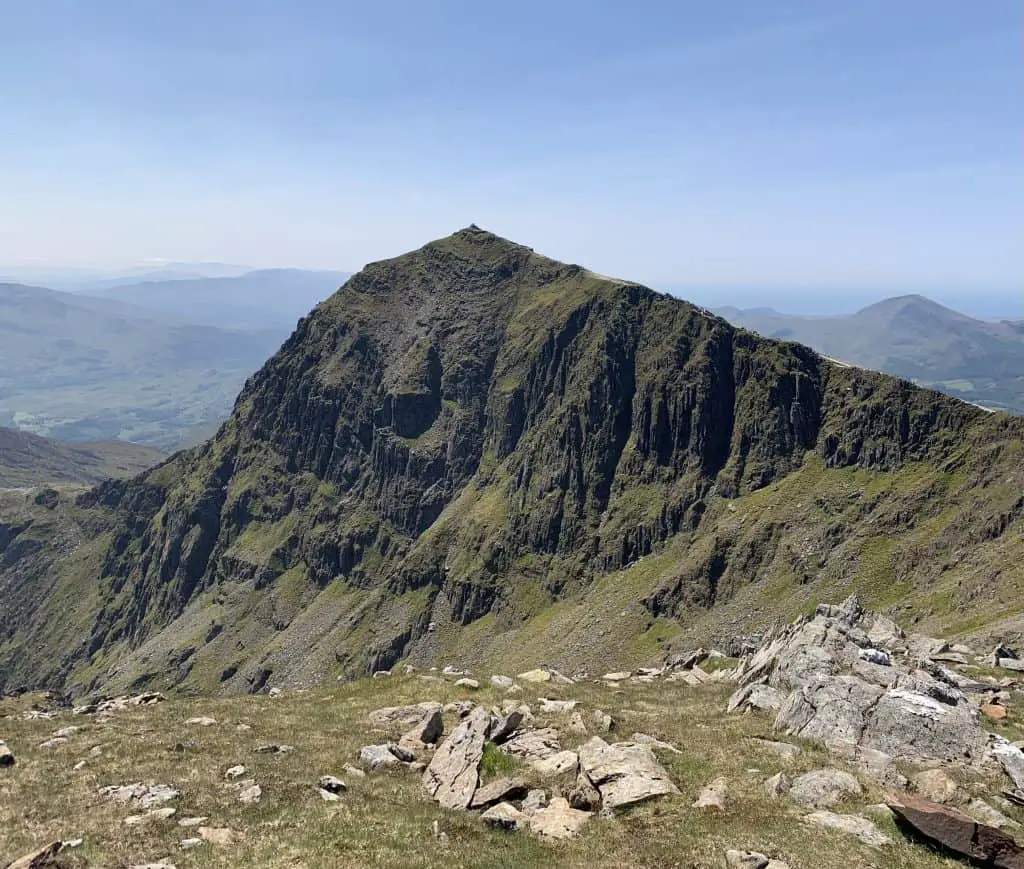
(457, 439)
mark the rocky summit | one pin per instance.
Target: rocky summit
(476, 455)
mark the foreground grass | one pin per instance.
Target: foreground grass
(385, 819)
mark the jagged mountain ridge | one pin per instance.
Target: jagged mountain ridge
(462, 439)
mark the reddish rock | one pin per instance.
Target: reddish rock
(957, 832)
(44, 857)
(993, 711)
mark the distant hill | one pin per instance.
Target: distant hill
(83, 369)
(30, 460)
(92, 280)
(913, 337)
(271, 298)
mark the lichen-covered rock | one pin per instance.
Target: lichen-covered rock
(452, 776)
(712, 797)
(558, 820)
(503, 816)
(824, 788)
(534, 745)
(624, 773)
(756, 697)
(855, 825)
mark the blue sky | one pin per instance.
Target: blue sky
(805, 147)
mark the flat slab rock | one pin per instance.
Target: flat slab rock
(855, 825)
(497, 791)
(556, 764)
(531, 745)
(452, 776)
(624, 772)
(558, 820)
(957, 832)
(406, 716)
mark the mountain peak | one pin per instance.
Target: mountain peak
(471, 430)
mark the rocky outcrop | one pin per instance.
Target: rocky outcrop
(919, 713)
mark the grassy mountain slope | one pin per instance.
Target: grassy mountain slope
(472, 452)
(29, 460)
(916, 338)
(84, 369)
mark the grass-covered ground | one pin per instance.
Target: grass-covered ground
(386, 819)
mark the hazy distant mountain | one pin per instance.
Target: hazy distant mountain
(915, 338)
(29, 460)
(157, 362)
(270, 298)
(90, 280)
(84, 369)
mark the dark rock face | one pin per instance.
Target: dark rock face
(453, 415)
(956, 832)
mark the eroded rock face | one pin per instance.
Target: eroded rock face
(828, 708)
(452, 775)
(624, 772)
